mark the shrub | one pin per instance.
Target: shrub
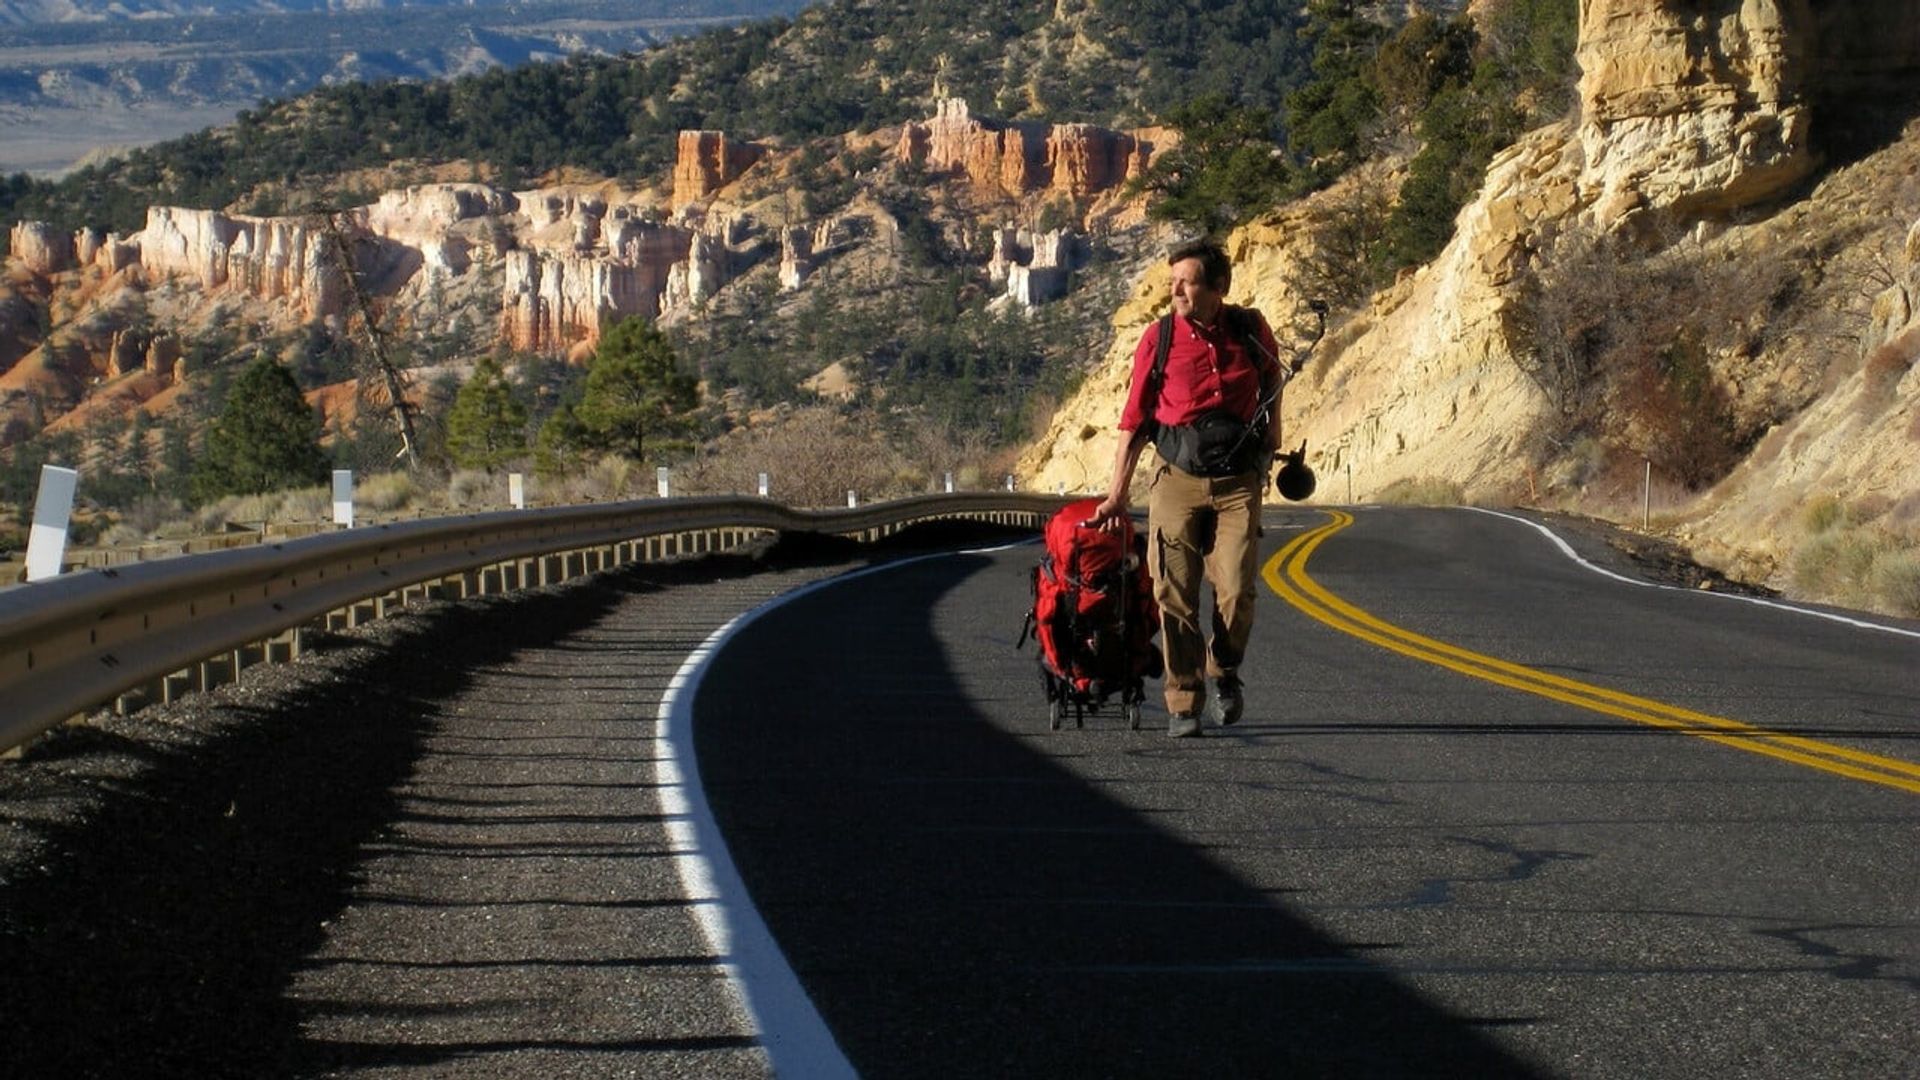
(1821, 513)
(214, 517)
(1887, 365)
(266, 438)
(1837, 565)
(469, 489)
(613, 477)
(384, 493)
(1895, 582)
(307, 504)
(148, 513)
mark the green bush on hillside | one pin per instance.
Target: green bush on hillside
(267, 438)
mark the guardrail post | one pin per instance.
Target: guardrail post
(174, 685)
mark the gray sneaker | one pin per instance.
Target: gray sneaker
(1183, 725)
(1228, 703)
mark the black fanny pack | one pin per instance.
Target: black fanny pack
(1214, 444)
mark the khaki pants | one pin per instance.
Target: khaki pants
(1201, 529)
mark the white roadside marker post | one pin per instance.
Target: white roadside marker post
(343, 498)
(52, 511)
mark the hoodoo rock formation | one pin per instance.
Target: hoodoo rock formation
(1015, 160)
(708, 161)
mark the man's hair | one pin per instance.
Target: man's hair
(1215, 267)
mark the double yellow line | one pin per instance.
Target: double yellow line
(1286, 574)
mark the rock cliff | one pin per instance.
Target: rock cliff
(1689, 113)
(1075, 161)
(706, 162)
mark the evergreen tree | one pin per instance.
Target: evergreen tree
(1332, 121)
(266, 438)
(635, 388)
(487, 424)
(558, 445)
(1226, 168)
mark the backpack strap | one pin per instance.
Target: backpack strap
(1150, 394)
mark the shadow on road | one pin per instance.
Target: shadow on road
(958, 905)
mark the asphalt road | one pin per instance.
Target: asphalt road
(1491, 813)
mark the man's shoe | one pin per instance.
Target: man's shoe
(1183, 725)
(1228, 703)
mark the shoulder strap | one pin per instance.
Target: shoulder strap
(1150, 394)
(1245, 322)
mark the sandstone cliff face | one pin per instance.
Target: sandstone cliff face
(1076, 161)
(1694, 111)
(706, 162)
(41, 248)
(1688, 111)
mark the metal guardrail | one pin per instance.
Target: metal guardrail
(82, 640)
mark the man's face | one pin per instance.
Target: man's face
(1193, 298)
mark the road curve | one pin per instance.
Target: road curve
(1491, 813)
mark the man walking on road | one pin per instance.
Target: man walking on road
(1205, 392)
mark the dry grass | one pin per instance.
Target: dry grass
(384, 493)
(1895, 581)
(1422, 491)
(1850, 555)
(1886, 366)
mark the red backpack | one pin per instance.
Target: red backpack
(1093, 614)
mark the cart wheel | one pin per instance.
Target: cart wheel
(1056, 711)
(1133, 715)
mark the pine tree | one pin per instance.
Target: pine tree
(635, 388)
(266, 438)
(1226, 168)
(487, 425)
(557, 447)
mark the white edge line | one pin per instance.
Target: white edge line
(797, 1041)
(1567, 550)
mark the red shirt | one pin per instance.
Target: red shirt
(1206, 370)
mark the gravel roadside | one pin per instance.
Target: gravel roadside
(431, 847)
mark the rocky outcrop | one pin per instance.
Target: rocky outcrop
(1694, 112)
(553, 300)
(706, 162)
(1015, 160)
(796, 256)
(41, 248)
(1698, 109)
(449, 225)
(1034, 269)
(802, 248)
(272, 259)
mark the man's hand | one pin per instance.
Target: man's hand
(1107, 515)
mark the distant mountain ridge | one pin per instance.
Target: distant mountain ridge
(26, 12)
(66, 64)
